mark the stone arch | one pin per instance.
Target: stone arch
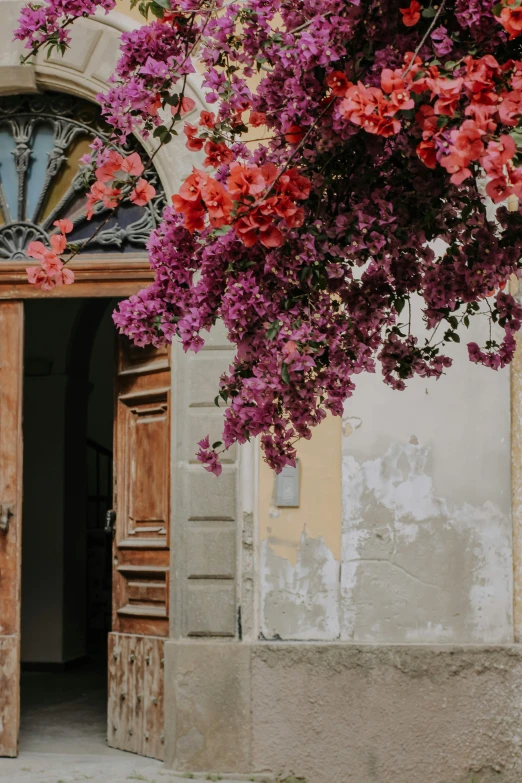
(84, 71)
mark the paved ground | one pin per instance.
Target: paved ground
(62, 736)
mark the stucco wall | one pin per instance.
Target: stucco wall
(341, 713)
(426, 510)
(426, 549)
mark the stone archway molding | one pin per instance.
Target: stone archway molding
(84, 71)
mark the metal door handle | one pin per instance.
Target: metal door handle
(110, 519)
(6, 512)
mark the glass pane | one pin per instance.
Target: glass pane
(62, 181)
(8, 175)
(42, 145)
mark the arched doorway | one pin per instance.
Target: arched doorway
(47, 382)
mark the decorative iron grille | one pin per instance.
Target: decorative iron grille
(42, 138)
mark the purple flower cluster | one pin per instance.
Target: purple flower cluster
(41, 24)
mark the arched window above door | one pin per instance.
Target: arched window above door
(42, 138)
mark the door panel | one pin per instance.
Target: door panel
(11, 380)
(141, 549)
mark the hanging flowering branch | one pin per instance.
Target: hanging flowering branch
(380, 128)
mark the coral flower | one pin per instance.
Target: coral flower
(218, 203)
(58, 243)
(426, 151)
(411, 15)
(64, 225)
(511, 19)
(142, 193)
(132, 165)
(294, 134)
(113, 164)
(245, 181)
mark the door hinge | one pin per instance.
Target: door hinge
(6, 512)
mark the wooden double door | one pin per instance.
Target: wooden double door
(140, 521)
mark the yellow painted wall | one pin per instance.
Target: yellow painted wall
(319, 512)
(123, 6)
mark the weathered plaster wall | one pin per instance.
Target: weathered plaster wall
(426, 526)
(300, 548)
(426, 510)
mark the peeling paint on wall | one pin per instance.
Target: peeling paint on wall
(416, 568)
(301, 601)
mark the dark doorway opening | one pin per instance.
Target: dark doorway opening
(69, 370)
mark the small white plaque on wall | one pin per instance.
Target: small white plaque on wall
(287, 486)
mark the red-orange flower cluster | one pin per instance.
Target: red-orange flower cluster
(247, 203)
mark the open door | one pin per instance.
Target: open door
(11, 384)
(140, 521)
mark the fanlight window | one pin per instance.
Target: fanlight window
(42, 138)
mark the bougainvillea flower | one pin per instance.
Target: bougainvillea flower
(142, 193)
(411, 15)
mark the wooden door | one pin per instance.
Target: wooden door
(141, 550)
(11, 380)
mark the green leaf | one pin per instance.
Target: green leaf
(172, 100)
(217, 444)
(164, 4)
(273, 329)
(159, 131)
(285, 375)
(429, 13)
(497, 9)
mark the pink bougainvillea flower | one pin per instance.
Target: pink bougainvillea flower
(38, 277)
(58, 243)
(133, 165)
(153, 106)
(112, 165)
(37, 250)
(65, 277)
(427, 152)
(64, 225)
(142, 193)
(290, 352)
(187, 105)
